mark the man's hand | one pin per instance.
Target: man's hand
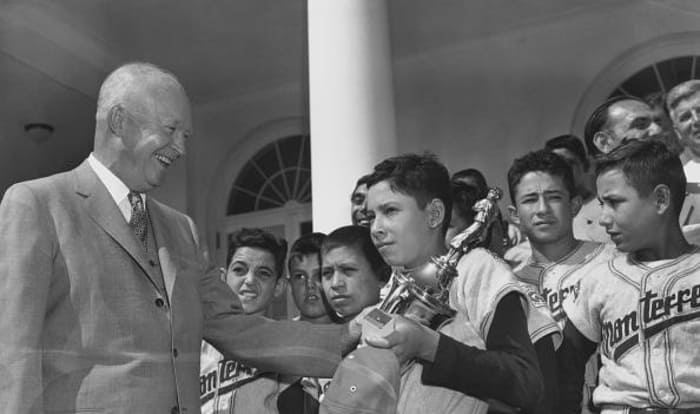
(409, 340)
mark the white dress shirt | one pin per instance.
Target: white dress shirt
(116, 187)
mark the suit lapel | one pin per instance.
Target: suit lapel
(101, 207)
(164, 237)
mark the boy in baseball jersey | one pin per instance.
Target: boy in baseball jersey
(545, 201)
(256, 264)
(642, 307)
(540, 324)
(483, 353)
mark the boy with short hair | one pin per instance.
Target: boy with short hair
(483, 353)
(255, 267)
(639, 307)
(353, 270)
(301, 395)
(545, 201)
(304, 266)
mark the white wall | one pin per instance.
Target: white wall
(482, 103)
(475, 104)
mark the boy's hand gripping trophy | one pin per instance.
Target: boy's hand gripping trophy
(423, 295)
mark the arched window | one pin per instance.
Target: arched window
(278, 173)
(658, 78)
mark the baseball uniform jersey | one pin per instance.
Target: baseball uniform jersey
(560, 281)
(483, 280)
(646, 318)
(228, 387)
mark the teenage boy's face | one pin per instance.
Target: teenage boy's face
(627, 216)
(305, 281)
(544, 209)
(400, 228)
(253, 277)
(348, 281)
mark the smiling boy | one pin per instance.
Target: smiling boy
(640, 308)
(256, 265)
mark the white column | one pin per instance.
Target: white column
(351, 102)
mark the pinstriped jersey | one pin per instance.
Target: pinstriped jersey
(483, 280)
(646, 318)
(561, 280)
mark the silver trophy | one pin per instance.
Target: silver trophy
(423, 294)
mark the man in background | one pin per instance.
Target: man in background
(683, 103)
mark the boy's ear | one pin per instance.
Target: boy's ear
(576, 204)
(280, 287)
(513, 215)
(662, 198)
(436, 213)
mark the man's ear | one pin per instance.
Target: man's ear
(603, 141)
(436, 213)
(576, 204)
(280, 287)
(513, 215)
(116, 119)
(662, 198)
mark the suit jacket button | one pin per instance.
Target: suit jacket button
(160, 302)
(175, 410)
(152, 262)
(175, 352)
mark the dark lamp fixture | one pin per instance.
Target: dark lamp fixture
(38, 131)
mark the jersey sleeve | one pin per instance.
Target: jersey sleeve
(540, 322)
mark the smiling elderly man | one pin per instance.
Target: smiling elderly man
(106, 294)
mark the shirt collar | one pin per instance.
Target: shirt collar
(116, 187)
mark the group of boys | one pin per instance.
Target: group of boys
(587, 321)
(328, 290)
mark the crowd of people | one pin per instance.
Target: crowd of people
(582, 295)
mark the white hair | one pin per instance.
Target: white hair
(121, 82)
